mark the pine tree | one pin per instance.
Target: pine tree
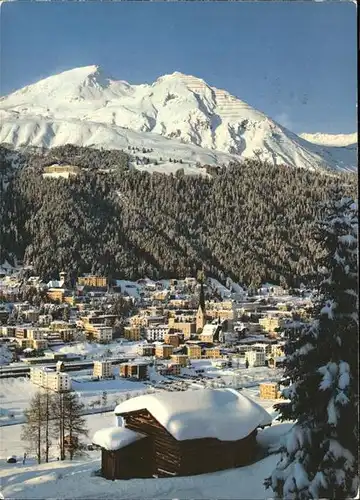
(32, 429)
(46, 405)
(74, 423)
(319, 457)
(58, 428)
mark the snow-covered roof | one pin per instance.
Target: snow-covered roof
(114, 438)
(55, 284)
(224, 414)
(210, 329)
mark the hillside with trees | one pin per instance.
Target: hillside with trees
(253, 222)
(319, 457)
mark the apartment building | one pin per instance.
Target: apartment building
(212, 353)
(133, 370)
(132, 333)
(138, 320)
(271, 323)
(8, 330)
(39, 344)
(173, 339)
(59, 381)
(24, 343)
(103, 369)
(164, 351)
(146, 350)
(156, 333)
(22, 331)
(37, 376)
(225, 304)
(61, 171)
(101, 333)
(30, 337)
(53, 380)
(185, 303)
(256, 358)
(154, 311)
(58, 325)
(244, 348)
(269, 390)
(169, 369)
(35, 334)
(180, 359)
(92, 281)
(155, 320)
(174, 368)
(193, 351)
(56, 294)
(72, 335)
(188, 328)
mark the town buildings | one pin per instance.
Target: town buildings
(269, 390)
(133, 370)
(255, 358)
(57, 381)
(103, 369)
(92, 281)
(164, 351)
(156, 333)
(132, 333)
(146, 350)
(193, 351)
(186, 326)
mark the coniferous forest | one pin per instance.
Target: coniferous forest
(253, 222)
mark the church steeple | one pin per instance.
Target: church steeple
(201, 313)
(202, 297)
(201, 280)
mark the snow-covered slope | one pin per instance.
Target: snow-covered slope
(336, 140)
(83, 106)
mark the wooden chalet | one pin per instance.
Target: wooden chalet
(124, 454)
(184, 433)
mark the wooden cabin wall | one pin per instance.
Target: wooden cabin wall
(200, 456)
(166, 449)
(135, 460)
(193, 456)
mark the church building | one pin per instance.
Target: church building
(201, 312)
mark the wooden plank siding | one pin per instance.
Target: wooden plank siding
(166, 449)
(189, 457)
(134, 460)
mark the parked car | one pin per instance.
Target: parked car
(11, 460)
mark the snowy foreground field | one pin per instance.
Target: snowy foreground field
(15, 394)
(77, 479)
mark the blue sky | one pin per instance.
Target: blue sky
(294, 61)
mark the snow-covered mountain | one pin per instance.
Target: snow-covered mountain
(336, 140)
(178, 115)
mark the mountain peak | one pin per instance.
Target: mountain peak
(335, 140)
(187, 79)
(82, 70)
(101, 110)
(86, 75)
